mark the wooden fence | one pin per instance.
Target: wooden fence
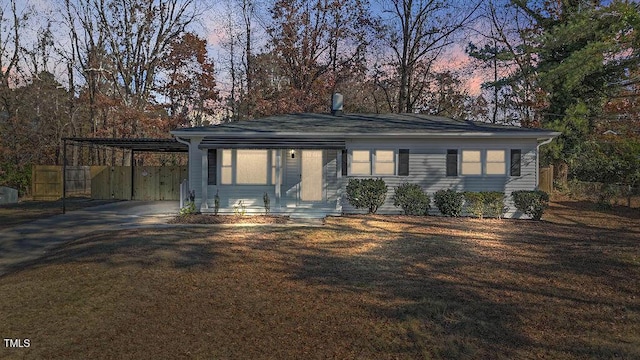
(545, 181)
(109, 182)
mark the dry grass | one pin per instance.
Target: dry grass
(359, 287)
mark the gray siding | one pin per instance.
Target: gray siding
(427, 168)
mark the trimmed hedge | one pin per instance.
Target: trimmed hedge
(485, 203)
(367, 193)
(449, 202)
(531, 203)
(412, 199)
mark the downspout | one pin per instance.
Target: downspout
(538, 160)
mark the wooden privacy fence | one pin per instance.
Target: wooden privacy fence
(545, 180)
(109, 182)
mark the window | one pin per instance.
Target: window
(471, 162)
(226, 176)
(274, 163)
(452, 162)
(251, 167)
(516, 156)
(385, 162)
(496, 163)
(360, 162)
(403, 162)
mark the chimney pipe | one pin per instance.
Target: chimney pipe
(336, 104)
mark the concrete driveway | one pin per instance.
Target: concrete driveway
(27, 242)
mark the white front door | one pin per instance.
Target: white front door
(311, 179)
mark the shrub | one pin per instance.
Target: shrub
(412, 199)
(489, 203)
(531, 203)
(188, 209)
(239, 209)
(474, 202)
(449, 202)
(366, 194)
(216, 203)
(494, 204)
(267, 203)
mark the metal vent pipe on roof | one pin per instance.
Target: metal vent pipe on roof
(336, 104)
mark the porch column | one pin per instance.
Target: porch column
(278, 181)
(205, 179)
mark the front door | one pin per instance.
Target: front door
(311, 179)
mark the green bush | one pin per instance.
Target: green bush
(449, 202)
(494, 204)
(412, 199)
(531, 203)
(367, 194)
(485, 203)
(188, 209)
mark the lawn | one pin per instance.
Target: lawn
(366, 287)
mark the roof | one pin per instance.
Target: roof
(139, 145)
(360, 125)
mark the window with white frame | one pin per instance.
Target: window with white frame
(226, 167)
(274, 163)
(360, 162)
(496, 162)
(471, 162)
(385, 162)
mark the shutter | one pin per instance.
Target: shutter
(516, 157)
(344, 162)
(452, 162)
(212, 171)
(403, 162)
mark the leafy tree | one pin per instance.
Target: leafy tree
(317, 45)
(190, 85)
(585, 50)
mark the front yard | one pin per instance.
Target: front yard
(358, 287)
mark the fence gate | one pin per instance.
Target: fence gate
(545, 181)
(46, 182)
(109, 182)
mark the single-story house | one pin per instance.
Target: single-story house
(304, 161)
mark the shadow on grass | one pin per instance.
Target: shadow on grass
(417, 283)
(138, 248)
(455, 301)
(436, 287)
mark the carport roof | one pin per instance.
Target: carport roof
(135, 144)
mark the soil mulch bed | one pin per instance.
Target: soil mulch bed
(229, 219)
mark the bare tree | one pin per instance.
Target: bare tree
(13, 22)
(417, 31)
(137, 35)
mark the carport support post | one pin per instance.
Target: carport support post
(64, 176)
(132, 173)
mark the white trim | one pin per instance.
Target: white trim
(205, 179)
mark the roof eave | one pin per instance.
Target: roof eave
(467, 134)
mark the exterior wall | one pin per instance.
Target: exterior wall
(288, 203)
(427, 167)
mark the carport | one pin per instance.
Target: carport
(134, 145)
